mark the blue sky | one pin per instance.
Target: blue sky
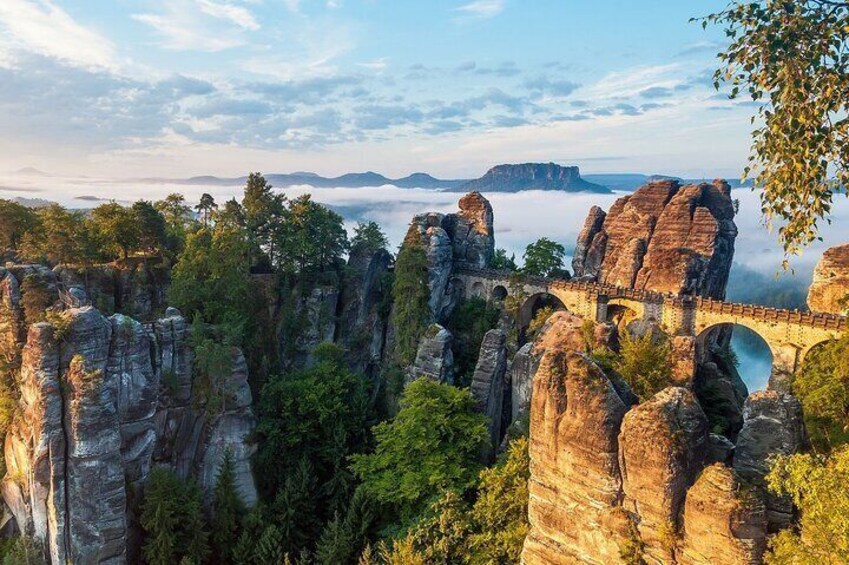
(185, 87)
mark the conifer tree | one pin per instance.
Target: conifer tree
(410, 294)
(228, 510)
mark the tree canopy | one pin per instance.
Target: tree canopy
(793, 58)
(544, 258)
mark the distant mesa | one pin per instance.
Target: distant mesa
(532, 176)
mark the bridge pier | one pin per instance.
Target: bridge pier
(785, 363)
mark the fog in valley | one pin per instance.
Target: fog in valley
(520, 218)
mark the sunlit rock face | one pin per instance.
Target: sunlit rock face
(609, 476)
(663, 237)
(829, 291)
(725, 521)
(103, 400)
(434, 358)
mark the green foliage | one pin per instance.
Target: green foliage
(205, 208)
(792, 58)
(501, 262)
(16, 222)
(212, 367)
(469, 322)
(432, 445)
(172, 520)
(310, 422)
(23, 550)
(544, 258)
(150, 226)
(61, 236)
(36, 298)
(313, 237)
(500, 513)
(822, 385)
(645, 363)
(115, 228)
(538, 322)
(368, 238)
(212, 280)
(227, 513)
(817, 486)
(262, 212)
(410, 294)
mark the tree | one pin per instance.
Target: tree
(500, 513)
(368, 238)
(263, 212)
(16, 221)
(822, 385)
(469, 322)
(793, 58)
(23, 550)
(178, 219)
(227, 512)
(312, 237)
(206, 207)
(544, 258)
(410, 294)
(151, 227)
(501, 262)
(115, 228)
(645, 363)
(432, 445)
(172, 520)
(60, 237)
(817, 486)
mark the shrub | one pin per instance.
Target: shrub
(645, 363)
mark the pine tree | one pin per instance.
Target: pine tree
(228, 510)
(335, 546)
(269, 547)
(410, 294)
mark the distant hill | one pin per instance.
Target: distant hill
(531, 176)
(349, 180)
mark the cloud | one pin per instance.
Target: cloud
(544, 85)
(481, 9)
(42, 27)
(200, 25)
(700, 47)
(376, 64)
(504, 69)
(656, 92)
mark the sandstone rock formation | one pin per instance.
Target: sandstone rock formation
(663, 237)
(829, 291)
(725, 522)
(489, 381)
(434, 358)
(772, 426)
(532, 176)
(465, 239)
(103, 400)
(522, 369)
(575, 486)
(662, 448)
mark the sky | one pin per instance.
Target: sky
(129, 88)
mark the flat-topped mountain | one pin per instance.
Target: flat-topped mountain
(532, 176)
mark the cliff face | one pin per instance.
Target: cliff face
(103, 400)
(465, 239)
(829, 291)
(663, 237)
(608, 477)
(532, 176)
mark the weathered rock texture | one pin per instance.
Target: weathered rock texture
(663, 237)
(102, 401)
(489, 381)
(725, 521)
(434, 358)
(662, 447)
(829, 291)
(575, 486)
(461, 240)
(607, 477)
(772, 426)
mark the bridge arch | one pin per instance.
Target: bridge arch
(499, 293)
(478, 290)
(623, 311)
(532, 306)
(755, 358)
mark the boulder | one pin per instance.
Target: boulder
(829, 291)
(772, 426)
(662, 448)
(724, 521)
(434, 358)
(489, 381)
(575, 485)
(663, 237)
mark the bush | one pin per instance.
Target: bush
(410, 293)
(645, 363)
(469, 323)
(822, 385)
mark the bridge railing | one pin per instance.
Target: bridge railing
(763, 313)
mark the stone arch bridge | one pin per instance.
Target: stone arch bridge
(790, 334)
